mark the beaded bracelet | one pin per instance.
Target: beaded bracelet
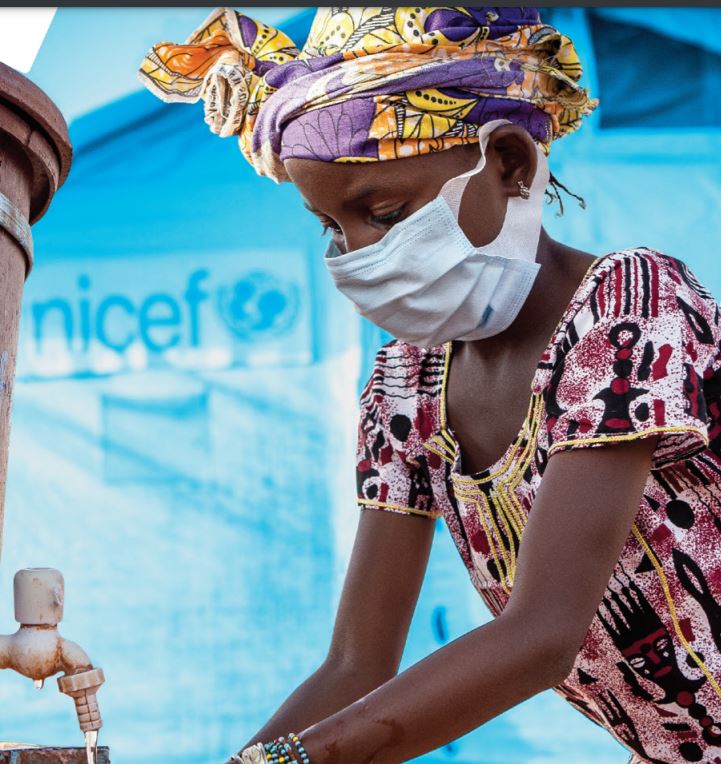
(280, 751)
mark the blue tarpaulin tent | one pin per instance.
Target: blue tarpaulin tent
(185, 404)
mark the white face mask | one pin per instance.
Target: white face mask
(425, 283)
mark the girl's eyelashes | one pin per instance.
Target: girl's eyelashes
(329, 225)
(386, 220)
(389, 218)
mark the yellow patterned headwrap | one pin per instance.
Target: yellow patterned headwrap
(373, 84)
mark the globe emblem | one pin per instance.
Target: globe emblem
(258, 306)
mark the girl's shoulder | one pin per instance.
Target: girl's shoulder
(638, 285)
(640, 294)
(644, 281)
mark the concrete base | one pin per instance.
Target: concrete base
(16, 753)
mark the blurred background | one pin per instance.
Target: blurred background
(185, 404)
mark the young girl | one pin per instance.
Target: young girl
(535, 394)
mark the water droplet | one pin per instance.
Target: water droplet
(91, 745)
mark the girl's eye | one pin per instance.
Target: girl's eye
(329, 226)
(389, 218)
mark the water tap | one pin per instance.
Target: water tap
(37, 650)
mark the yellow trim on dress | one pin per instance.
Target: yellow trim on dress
(445, 451)
(438, 453)
(444, 380)
(486, 517)
(672, 609)
(508, 509)
(397, 508)
(628, 436)
(449, 440)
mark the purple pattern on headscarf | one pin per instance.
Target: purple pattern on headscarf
(453, 26)
(479, 75)
(287, 124)
(536, 122)
(500, 21)
(248, 31)
(335, 131)
(464, 77)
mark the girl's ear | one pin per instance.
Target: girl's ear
(513, 151)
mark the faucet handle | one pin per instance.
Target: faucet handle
(82, 687)
(39, 595)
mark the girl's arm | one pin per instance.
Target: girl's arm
(581, 518)
(386, 570)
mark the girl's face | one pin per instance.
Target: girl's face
(357, 203)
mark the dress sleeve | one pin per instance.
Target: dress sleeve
(634, 360)
(388, 476)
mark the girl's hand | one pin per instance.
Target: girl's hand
(254, 754)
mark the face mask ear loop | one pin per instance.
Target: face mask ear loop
(452, 190)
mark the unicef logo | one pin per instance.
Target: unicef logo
(258, 306)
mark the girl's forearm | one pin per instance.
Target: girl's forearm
(448, 694)
(331, 688)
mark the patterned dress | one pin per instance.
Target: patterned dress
(637, 353)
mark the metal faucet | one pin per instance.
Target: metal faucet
(36, 650)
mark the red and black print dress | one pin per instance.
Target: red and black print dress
(637, 353)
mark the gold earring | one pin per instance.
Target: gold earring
(524, 190)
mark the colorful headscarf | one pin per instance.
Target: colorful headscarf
(373, 83)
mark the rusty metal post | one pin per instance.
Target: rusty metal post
(13, 753)
(35, 156)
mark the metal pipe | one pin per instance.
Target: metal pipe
(35, 156)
